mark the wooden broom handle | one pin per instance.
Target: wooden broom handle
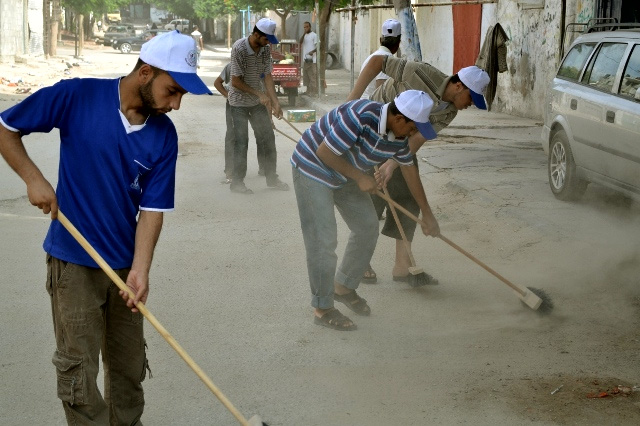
(292, 126)
(515, 287)
(149, 316)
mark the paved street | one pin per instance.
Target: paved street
(229, 283)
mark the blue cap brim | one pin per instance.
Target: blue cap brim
(478, 100)
(272, 39)
(426, 130)
(190, 82)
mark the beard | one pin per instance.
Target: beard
(148, 101)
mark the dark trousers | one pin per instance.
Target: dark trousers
(260, 121)
(399, 192)
(229, 142)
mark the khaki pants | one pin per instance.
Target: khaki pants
(310, 77)
(90, 317)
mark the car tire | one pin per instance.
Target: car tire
(125, 48)
(563, 180)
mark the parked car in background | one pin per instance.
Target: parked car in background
(114, 32)
(591, 127)
(114, 17)
(134, 43)
(181, 25)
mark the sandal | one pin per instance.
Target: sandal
(354, 302)
(369, 276)
(335, 320)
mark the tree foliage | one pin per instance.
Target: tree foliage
(98, 7)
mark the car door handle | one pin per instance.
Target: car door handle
(611, 116)
(574, 104)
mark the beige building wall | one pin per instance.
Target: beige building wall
(533, 26)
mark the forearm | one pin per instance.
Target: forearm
(412, 178)
(14, 153)
(415, 142)
(370, 71)
(239, 84)
(147, 234)
(220, 88)
(271, 89)
(337, 163)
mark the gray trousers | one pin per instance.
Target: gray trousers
(316, 203)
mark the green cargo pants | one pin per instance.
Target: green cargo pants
(90, 317)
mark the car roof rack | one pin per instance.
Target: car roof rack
(594, 25)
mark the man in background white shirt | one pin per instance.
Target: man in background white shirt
(309, 42)
(389, 45)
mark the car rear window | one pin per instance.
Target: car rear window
(601, 72)
(575, 60)
(631, 75)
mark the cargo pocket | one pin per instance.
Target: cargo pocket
(70, 378)
(145, 365)
(49, 284)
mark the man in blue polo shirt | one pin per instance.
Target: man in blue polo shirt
(330, 165)
(114, 185)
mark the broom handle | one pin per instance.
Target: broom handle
(284, 134)
(292, 126)
(149, 316)
(515, 287)
(399, 225)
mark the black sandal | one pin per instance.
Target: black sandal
(335, 320)
(354, 302)
(369, 276)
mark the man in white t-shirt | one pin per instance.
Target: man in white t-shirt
(389, 45)
(197, 36)
(309, 42)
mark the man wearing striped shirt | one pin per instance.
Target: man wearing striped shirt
(450, 94)
(251, 68)
(330, 165)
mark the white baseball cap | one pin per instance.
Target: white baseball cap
(176, 54)
(476, 80)
(391, 28)
(268, 27)
(416, 105)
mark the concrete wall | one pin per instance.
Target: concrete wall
(36, 28)
(12, 24)
(533, 52)
(21, 29)
(533, 49)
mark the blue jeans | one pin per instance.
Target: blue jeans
(265, 139)
(316, 203)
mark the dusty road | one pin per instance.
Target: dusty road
(229, 283)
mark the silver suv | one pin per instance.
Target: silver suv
(591, 127)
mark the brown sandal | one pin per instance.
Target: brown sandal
(354, 302)
(335, 320)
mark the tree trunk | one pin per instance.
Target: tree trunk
(410, 41)
(80, 29)
(55, 21)
(321, 58)
(283, 17)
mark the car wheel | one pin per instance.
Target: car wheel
(125, 48)
(563, 180)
